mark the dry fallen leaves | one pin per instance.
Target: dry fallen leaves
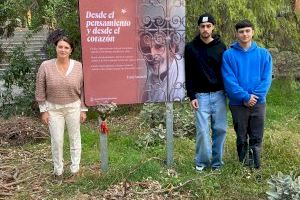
(21, 130)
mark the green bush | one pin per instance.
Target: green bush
(284, 187)
(153, 118)
(19, 76)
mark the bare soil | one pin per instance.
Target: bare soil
(17, 166)
(18, 131)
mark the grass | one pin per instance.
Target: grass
(127, 162)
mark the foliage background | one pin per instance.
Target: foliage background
(276, 23)
(276, 26)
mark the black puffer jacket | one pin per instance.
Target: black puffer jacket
(203, 66)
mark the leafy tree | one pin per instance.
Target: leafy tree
(22, 70)
(57, 14)
(275, 21)
(63, 15)
(8, 18)
(276, 24)
(19, 84)
(13, 13)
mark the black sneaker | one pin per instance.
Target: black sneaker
(248, 163)
(72, 178)
(57, 179)
(216, 169)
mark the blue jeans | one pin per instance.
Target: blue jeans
(211, 114)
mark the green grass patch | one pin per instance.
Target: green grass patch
(281, 152)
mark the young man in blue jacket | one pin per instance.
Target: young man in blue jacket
(247, 75)
(204, 85)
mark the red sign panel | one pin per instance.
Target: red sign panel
(128, 55)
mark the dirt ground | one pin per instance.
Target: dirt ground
(18, 131)
(17, 173)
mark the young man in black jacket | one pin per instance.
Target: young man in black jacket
(204, 85)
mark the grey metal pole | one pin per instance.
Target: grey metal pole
(103, 148)
(169, 129)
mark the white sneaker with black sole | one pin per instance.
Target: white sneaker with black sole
(200, 168)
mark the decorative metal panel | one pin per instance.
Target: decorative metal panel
(161, 31)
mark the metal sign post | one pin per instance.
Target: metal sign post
(104, 111)
(103, 147)
(169, 128)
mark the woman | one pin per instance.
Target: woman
(59, 93)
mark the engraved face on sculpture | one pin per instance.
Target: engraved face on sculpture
(155, 52)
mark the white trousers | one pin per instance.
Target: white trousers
(57, 119)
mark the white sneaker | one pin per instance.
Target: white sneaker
(200, 168)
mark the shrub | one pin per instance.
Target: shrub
(19, 84)
(284, 187)
(153, 117)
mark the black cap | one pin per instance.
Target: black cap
(206, 18)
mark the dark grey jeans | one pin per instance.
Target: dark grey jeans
(249, 127)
